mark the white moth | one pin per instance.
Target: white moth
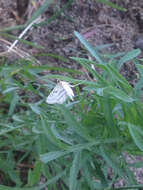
(60, 93)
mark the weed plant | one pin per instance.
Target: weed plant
(76, 145)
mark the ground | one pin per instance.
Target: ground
(99, 24)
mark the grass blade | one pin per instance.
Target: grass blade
(129, 56)
(73, 124)
(113, 5)
(107, 157)
(40, 11)
(47, 157)
(89, 47)
(74, 171)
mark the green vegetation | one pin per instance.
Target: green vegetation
(73, 145)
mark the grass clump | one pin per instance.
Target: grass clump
(73, 145)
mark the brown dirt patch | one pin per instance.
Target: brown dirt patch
(98, 23)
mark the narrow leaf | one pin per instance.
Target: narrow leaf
(74, 171)
(73, 124)
(89, 47)
(129, 56)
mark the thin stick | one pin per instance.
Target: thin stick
(22, 34)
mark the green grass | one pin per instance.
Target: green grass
(71, 145)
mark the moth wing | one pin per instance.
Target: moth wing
(52, 98)
(58, 95)
(61, 99)
(68, 89)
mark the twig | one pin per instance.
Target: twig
(22, 34)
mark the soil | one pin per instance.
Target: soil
(98, 23)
